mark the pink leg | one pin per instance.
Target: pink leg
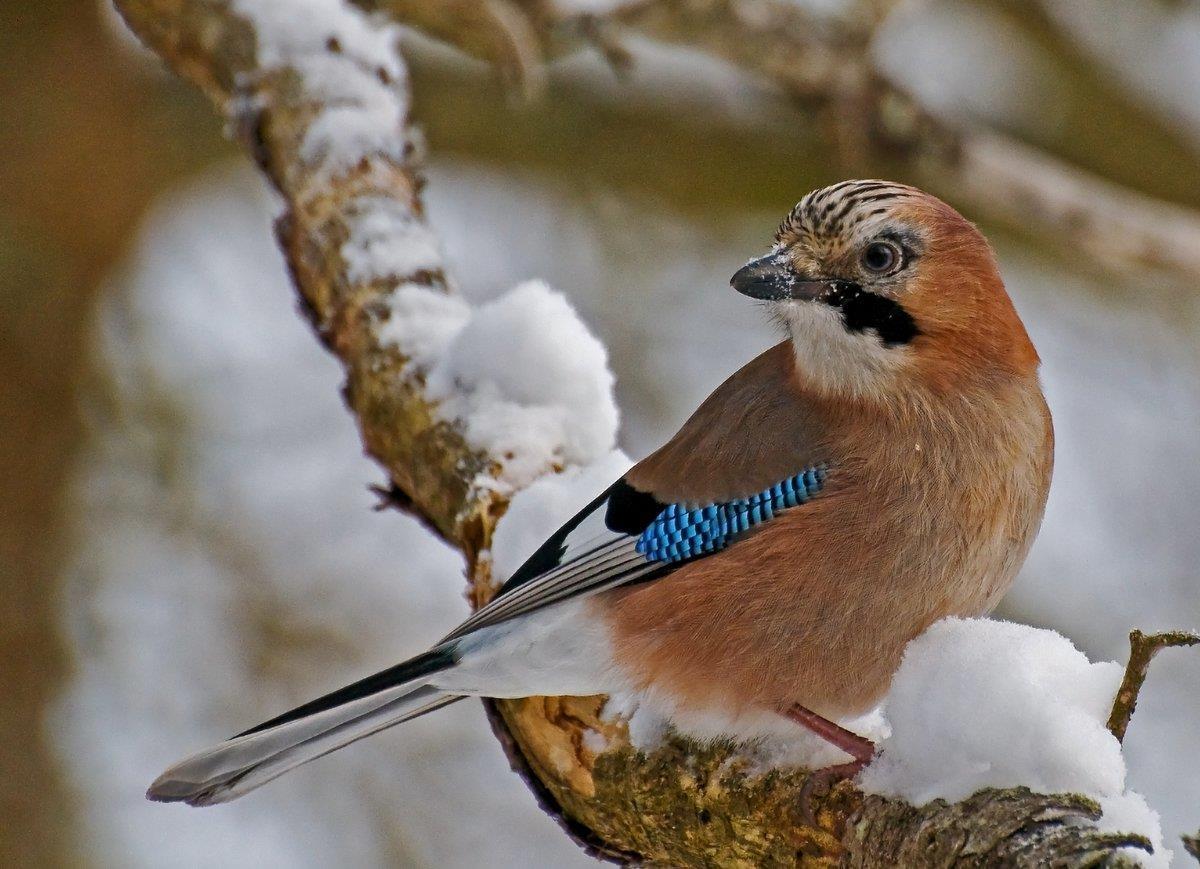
(858, 747)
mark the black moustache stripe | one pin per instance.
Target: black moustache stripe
(863, 310)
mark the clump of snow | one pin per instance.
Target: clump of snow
(529, 384)
(386, 240)
(287, 29)
(363, 116)
(980, 703)
(423, 322)
(349, 63)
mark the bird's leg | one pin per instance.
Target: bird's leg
(858, 747)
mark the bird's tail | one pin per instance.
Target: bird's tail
(251, 759)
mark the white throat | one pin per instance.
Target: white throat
(836, 361)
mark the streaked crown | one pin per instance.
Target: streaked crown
(843, 210)
(879, 282)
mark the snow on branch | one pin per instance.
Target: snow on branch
(468, 409)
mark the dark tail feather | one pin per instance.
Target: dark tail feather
(254, 757)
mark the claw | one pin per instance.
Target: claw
(820, 782)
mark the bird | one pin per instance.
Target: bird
(883, 466)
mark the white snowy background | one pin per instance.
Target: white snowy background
(227, 562)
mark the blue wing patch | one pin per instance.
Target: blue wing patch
(680, 532)
(627, 536)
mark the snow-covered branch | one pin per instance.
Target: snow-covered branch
(319, 96)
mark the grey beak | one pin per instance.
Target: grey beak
(773, 279)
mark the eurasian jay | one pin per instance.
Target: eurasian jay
(886, 465)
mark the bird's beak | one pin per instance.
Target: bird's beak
(773, 279)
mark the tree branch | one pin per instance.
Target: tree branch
(1192, 845)
(684, 803)
(1142, 649)
(273, 112)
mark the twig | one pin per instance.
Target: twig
(1191, 844)
(1142, 649)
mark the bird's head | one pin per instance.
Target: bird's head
(884, 288)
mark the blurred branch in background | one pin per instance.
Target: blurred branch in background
(1192, 844)
(826, 65)
(1142, 649)
(324, 113)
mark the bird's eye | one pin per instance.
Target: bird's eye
(882, 257)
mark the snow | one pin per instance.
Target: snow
(363, 117)
(529, 383)
(288, 29)
(423, 322)
(981, 703)
(1129, 812)
(386, 241)
(347, 61)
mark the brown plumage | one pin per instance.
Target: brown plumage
(940, 461)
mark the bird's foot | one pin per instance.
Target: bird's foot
(819, 782)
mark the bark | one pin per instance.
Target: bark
(1142, 649)
(684, 803)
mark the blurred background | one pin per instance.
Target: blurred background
(186, 537)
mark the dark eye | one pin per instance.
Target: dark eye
(882, 257)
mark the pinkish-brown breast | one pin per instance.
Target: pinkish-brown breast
(926, 512)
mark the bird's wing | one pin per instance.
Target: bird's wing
(752, 448)
(628, 535)
(596, 549)
(625, 535)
